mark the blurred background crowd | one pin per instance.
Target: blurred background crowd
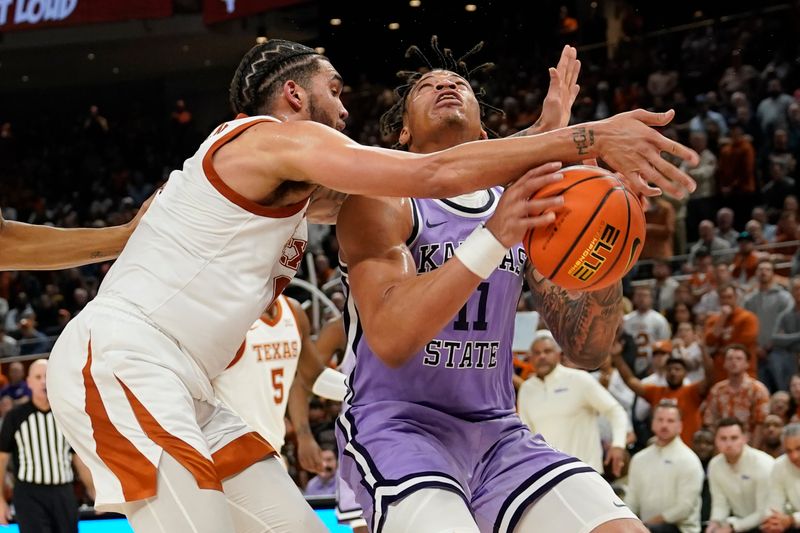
(718, 268)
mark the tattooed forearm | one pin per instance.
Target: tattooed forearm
(583, 139)
(100, 254)
(584, 324)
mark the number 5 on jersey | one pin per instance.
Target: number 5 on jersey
(277, 385)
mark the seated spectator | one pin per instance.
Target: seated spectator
(703, 447)
(20, 309)
(754, 228)
(725, 226)
(779, 404)
(688, 397)
(773, 429)
(784, 484)
(739, 481)
(739, 396)
(664, 287)
(678, 315)
(746, 260)
(709, 302)
(785, 341)
(31, 340)
(772, 110)
(17, 388)
(779, 185)
(710, 242)
(702, 279)
(324, 483)
(646, 326)
(568, 419)
(732, 325)
(686, 346)
(665, 479)
(704, 112)
(8, 345)
(760, 214)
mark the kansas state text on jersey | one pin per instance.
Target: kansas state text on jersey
(466, 369)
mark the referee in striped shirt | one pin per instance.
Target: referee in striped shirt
(44, 498)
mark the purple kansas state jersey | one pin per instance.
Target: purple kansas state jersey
(466, 369)
(446, 418)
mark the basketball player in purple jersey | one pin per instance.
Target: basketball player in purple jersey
(432, 442)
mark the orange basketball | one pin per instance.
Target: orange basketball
(596, 238)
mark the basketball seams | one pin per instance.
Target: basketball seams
(529, 235)
(624, 241)
(571, 249)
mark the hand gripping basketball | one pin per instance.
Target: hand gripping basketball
(596, 238)
(518, 211)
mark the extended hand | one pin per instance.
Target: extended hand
(629, 144)
(616, 457)
(309, 454)
(564, 88)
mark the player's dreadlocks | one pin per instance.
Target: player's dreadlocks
(263, 70)
(392, 120)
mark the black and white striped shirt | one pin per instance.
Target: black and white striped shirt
(40, 451)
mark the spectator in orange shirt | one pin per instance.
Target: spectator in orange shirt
(660, 218)
(738, 396)
(746, 260)
(732, 325)
(702, 279)
(689, 397)
(736, 174)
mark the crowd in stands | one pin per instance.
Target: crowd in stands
(708, 348)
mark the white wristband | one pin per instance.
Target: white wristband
(481, 253)
(330, 384)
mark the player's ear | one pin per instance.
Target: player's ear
(405, 137)
(294, 94)
(484, 135)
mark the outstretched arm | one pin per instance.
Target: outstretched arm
(268, 153)
(581, 322)
(625, 371)
(35, 247)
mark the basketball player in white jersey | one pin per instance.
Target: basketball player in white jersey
(131, 375)
(259, 383)
(38, 247)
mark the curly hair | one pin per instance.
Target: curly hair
(392, 120)
(265, 68)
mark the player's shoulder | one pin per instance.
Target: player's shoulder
(370, 214)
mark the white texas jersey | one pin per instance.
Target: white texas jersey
(256, 383)
(204, 262)
(646, 328)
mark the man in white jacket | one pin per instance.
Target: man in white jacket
(783, 508)
(666, 478)
(563, 405)
(739, 481)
